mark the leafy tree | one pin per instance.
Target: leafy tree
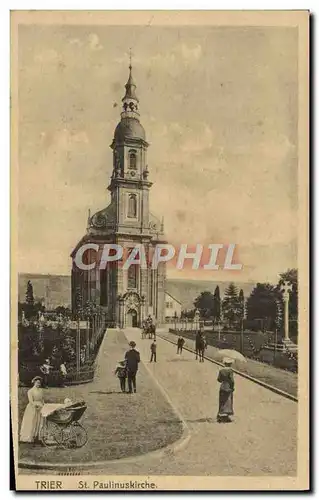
(68, 348)
(205, 303)
(217, 305)
(187, 313)
(262, 304)
(65, 311)
(231, 305)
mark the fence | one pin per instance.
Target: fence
(189, 325)
(252, 345)
(77, 345)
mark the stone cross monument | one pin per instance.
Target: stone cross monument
(196, 320)
(286, 288)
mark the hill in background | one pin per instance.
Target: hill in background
(55, 290)
(186, 291)
(51, 289)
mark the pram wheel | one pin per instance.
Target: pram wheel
(51, 434)
(74, 436)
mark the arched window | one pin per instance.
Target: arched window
(103, 286)
(133, 162)
(132, 205)
(132, 274)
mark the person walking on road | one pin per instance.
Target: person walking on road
(153, 351)
(132, 358)
(180, 344)
(226, 391)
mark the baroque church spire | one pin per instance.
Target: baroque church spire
(130, 99)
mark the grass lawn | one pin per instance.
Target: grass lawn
(118, 425)
(281, 379)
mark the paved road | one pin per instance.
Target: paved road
(261, 441)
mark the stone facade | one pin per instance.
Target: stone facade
(126, 295)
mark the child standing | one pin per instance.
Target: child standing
(180, 344)
(153, 351)
(121, 372)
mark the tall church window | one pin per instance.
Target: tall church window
(103, 286)
(132, 276)
(132, 273)
(150, 287)
(132, 205)
(133, 160)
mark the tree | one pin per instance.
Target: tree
(241, 299)
(262, 304)
(231, 305)
(65, 311)
(29, 298)
(205, 303)
(78, 302)
(216, 305)
(187, 313)
(30, 307)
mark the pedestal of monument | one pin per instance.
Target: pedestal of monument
(283, 346)
(290, 345)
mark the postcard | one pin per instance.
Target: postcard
(159, 250)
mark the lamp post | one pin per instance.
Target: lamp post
(87, 339)
(286, 288)
(242, 335)
(275, 345)
(78, 347)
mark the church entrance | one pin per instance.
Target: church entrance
(131, 318)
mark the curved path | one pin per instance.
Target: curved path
(261, 441)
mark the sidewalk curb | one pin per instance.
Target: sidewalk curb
(159, 453)
(241, 374)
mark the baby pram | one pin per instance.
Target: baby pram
(62, 427)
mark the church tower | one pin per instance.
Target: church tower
(126, 295)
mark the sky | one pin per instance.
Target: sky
(220, 110)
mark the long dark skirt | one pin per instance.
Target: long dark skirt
(225, 404)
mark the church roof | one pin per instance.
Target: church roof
(172, 297)
(130, 87)
(129, 128)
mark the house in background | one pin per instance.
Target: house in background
(173, 307)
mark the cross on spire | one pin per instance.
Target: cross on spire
(130, 55)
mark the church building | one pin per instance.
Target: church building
(126, 295)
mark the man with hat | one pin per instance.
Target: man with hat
(132, 358)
